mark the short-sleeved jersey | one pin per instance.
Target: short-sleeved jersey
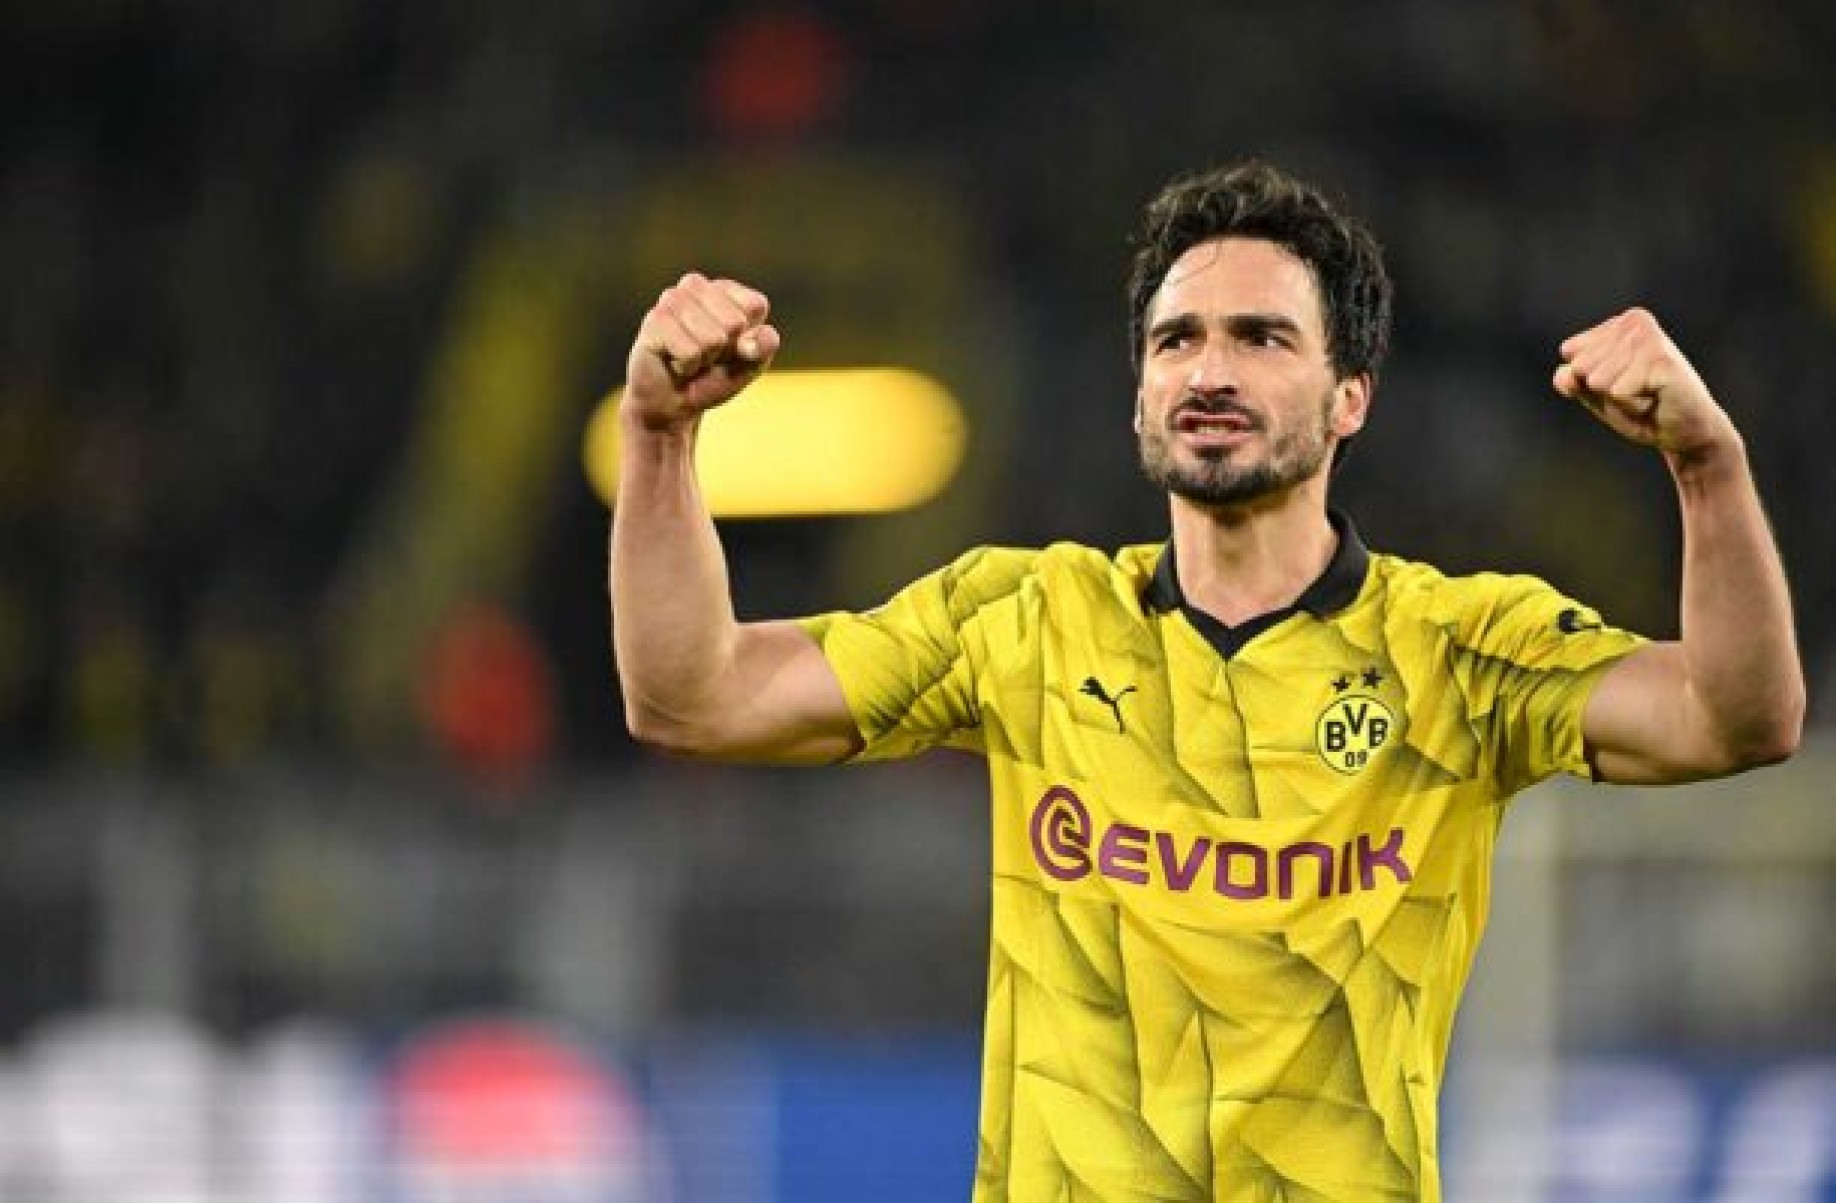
(1239, 874)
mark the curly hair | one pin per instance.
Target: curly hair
(1255, 200)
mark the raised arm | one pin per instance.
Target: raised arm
(695, 680)
(1729, 693)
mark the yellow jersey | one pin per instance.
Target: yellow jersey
(1240, 874)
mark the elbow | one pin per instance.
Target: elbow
(659, 724)
(1774, 739)
(668, 734)
(659, 734)
(646, 731)
(1785, 737)
(1776, 748)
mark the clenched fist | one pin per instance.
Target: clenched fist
(701, 343)
(1633, 377)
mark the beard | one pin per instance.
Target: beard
(1215, 481)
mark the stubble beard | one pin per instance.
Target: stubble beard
(1216, 482)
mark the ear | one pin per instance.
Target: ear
(1351, 404)
(1137, 413)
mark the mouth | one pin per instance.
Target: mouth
(1206, 427)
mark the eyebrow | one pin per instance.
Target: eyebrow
(1179, 323)
(1239, 324)
(1242, 324)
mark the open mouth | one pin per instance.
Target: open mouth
(1214, 426)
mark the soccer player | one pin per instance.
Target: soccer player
(1246, 783)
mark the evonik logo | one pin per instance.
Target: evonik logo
(1067, 848)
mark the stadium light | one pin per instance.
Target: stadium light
(800, 443)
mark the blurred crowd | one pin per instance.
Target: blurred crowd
(308, 305)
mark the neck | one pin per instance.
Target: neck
(1239, 562)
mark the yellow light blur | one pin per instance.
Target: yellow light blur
(841, 441)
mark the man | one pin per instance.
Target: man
(1245, 784)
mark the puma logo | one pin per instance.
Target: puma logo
(1095, 689)
(1572, 622)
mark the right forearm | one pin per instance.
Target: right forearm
(694, 680)
(674, 631)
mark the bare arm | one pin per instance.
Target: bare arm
(695, 680)
(1729, 693)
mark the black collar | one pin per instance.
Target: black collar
(1333, 590)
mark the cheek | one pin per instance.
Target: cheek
(1156, 396)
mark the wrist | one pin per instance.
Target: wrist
(1709, 458)
(637, 424)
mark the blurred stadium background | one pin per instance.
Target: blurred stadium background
(328, 872)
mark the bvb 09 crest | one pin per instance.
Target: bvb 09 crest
(1351, 730)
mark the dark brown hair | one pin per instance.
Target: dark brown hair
(1254, 200)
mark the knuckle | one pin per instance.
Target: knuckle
(749, 299)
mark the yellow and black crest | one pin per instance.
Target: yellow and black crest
(1355, 725)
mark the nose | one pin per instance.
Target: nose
(1213, 372)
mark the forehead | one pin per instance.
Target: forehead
(1240, 275)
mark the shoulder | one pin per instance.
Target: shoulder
(1066, 570)
(1423, 586)
(998, 569)
(1060, 577)
(1498, 612)
(988, 571)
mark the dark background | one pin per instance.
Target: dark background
(279, 276)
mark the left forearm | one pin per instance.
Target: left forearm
(1736, 623)
(1730, 693)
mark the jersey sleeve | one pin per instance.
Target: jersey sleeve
(909, 668)
(1531, 658)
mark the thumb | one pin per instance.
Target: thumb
(1568, 382)
(758, 345)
